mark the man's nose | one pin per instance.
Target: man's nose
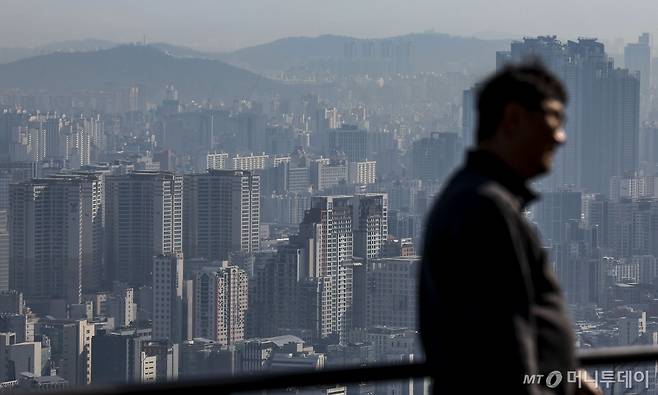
(560, 136)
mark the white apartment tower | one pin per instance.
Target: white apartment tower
(251, 162)
(326, 235)
(221, 297)
(363, 173)
(216, 161)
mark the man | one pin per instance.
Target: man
(491, 310)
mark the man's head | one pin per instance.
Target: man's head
(520, 117)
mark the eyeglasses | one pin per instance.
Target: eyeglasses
(560, 115)
(547, 111)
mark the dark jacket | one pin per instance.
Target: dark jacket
(491, 310)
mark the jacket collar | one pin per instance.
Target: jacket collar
(488, 164)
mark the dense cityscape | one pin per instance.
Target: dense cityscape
(152, 231)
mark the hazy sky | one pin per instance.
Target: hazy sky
(226, 25)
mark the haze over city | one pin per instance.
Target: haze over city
(229, 25)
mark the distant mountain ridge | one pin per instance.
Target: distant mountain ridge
(432, 52)
(63, 73)
(8, 55)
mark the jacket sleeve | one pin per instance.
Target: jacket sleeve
(475, 269)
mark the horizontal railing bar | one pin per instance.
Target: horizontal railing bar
(261, 382)
(268, 381)
(617, 355)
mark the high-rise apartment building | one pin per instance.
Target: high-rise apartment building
(348, 139)
(631, 227)
(434, 157)
(469, 116)
(10, 121)
(580, 270)
(168, 297)
(326, 235)
(76, 350)
(326, 173)
(36, 135)
(55, 228)
(285, 209)
(603, 112)
(12, 173)
(216, 161)
(318, 266)
(5, 133)
(363, 173)
(249, 162)
(166, 359)
(554, 211)
(118, 357)
(276, 302)
(221, 300)
(95, 128)
(4, 251)
(637, 58)
(122, 306)
(222, 214)
(329, 223)
(93, 260)
(369, 224)
(78, 146)
(294, 174)
(250, 130)
(144, 218)
(392, 292)
(54, 142)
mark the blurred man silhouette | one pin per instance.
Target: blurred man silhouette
(491, 309)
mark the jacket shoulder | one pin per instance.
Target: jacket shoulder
(468, 193)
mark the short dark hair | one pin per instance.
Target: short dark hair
(527, 84)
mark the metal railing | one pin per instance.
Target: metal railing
(586, 358)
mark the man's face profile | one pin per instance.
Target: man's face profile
(534, 135)
(545, 134)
